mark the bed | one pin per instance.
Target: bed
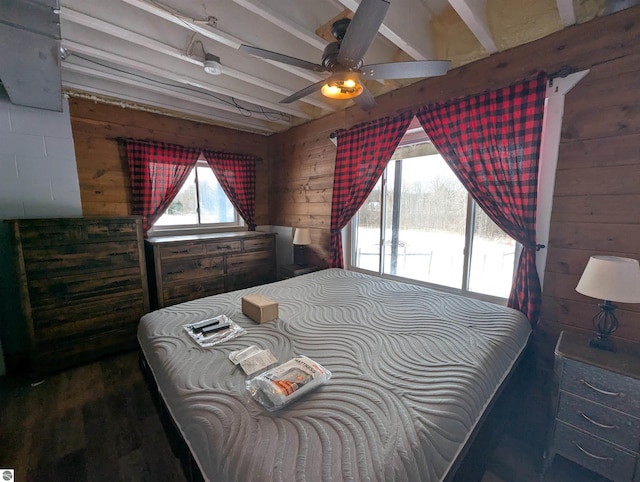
(413, 372)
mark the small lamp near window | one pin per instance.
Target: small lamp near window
(301, 239)
(609, 278)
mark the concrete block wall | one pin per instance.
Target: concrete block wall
(38, 178)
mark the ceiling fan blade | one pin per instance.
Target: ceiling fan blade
(361, 31)
(310, 89)
(365, 100)
(285, 59)
(406, 70)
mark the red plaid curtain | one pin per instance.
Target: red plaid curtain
(492, 143)
(236, 173)
(363, 154)
(158, 171)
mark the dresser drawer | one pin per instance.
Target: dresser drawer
(611, 425)
(192, 268)
(602, 386)
(258, 244)
(178, 293)
(173, 251)
(101, 314)
(59, 291)
(98, 230)
(594, 453)
(224, 247)
(56, 231)
(80, 258)
(250, 262)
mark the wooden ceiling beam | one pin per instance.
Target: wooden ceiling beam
(473, 14)
(406, 25)
(136, 65)
(125, 98)
(567, 12)
(283, 22)
(216, 35)
(93, 23)
(164, 91)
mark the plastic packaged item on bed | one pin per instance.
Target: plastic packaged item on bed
(252, 359)
(285, 383)
(213, 331)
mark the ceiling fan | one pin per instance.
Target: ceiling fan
(343, 59)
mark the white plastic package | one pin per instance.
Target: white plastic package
(214, 330)
(252, 359)
(280, 385)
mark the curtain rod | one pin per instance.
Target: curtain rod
(561, 72)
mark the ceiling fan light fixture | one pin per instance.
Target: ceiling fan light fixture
(212, 64)
(342, 87)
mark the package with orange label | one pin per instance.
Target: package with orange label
(280, 385)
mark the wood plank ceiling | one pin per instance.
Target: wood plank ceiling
(150, 53)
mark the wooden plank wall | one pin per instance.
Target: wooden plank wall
(102, 166)
(597, 195)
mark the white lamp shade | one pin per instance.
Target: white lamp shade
(302, 236)
(611, 278)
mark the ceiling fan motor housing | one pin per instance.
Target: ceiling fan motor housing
(330, 56)
(330, 59)
(339, 28)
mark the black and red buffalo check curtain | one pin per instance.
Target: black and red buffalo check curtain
(236, 173)
(158, 171)
(492, 143)
(363, 154)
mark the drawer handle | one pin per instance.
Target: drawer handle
(175, 272)
(118, 254)
(601, 425)
(599, 390)
(223, 247)
(598, 457)
(180, 251)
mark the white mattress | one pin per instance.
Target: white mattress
(413, 371)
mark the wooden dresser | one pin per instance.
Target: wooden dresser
(184, 268)
(597, 409)
(83, 286)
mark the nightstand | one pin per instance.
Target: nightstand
(597, 408)
(293, 270)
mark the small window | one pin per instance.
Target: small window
(200, 204)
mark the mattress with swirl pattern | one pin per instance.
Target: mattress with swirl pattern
(413, 371)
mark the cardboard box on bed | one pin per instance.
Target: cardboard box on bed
(259, 308)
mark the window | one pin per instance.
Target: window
(420, 223)
(200, 204)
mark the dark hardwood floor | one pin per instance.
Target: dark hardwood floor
(98, 422)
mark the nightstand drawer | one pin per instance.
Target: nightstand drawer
(611, 425)
(593, 453)
(602, 386)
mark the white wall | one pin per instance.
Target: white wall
(38, 178)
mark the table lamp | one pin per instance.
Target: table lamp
(609, 278)
(301, 239)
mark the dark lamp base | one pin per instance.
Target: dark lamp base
(601, 343)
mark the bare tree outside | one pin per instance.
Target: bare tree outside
(432, 211)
